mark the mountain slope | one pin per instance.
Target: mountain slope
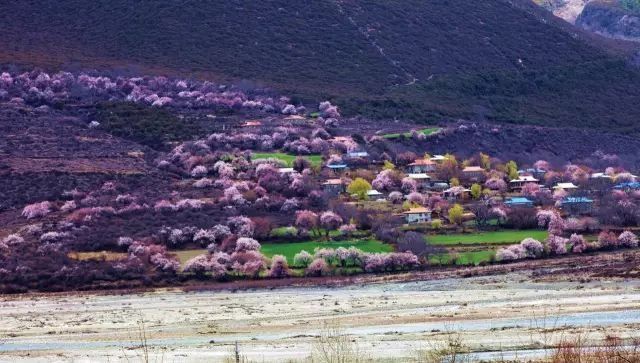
(423, 59)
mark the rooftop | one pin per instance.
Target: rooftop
(565, 186)
(418, 210)
(472, 169)
(333, 182)
(419, 176)
(571, 200)
(518, 200)
(423, 162)
(525, 178)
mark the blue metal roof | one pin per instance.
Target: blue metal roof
(571, 200)
(337, 166)
(518, 200)
(629, 185)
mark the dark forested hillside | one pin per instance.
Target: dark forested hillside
(422, 59)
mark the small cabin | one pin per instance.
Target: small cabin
(456, 194)
(567, 187)
(333, 186)
(628, 186)
(417, 215)
(420, 166)
(474, 173)
(337, 168)
(374, 194)
(521, 202)
(517, 184)
(577, 205)
(357, 155)
(438, 159)
(423, 180)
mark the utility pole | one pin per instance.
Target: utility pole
(237, 351)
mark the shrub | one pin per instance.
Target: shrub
(628, 239)
(578, 243)
(317, 267)
(302, 259)
(557, 245)
(532, 247)
(36, 210)
(607, 240)
(279, 267)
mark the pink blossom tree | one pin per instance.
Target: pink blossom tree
(248, 263)
(244, 244)
(385, 180)
(330, 221)
(306, 220)
(628, 239)
(607, 240)
(37, 210)
(532, 247)
(205, 264)
(317, 267)
(279, 267)
(496, 184)
(578, 243)
(557, 245)
(242, 226)
(409, 185)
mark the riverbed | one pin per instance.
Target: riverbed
(396, 321)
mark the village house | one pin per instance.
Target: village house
(357, 155)
(517, 184)
(374, 194)
(423, 180)
(473, 173)
(438, 158)
(337, 168)
(420, 166)
(567, 187)
(519, 202)
(577, 205)
(600, 180)
(536, 173)
(417, 215)
(454, 194)
(628, 186)
(333, 186)
(439, 186)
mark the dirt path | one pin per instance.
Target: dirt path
(387, 320)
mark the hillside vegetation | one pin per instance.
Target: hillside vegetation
(423, 60)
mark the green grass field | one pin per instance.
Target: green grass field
(490, 238)
(427, 131)
(284, 232)
(290, 249)
(464, 258)
(316, 160)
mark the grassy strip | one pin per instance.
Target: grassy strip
(290, 249)
(427, 131)
(488, 238)
(463, 258)
(315, 159)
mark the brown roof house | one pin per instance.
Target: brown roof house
(420, 166)
(333, 186)
(474, 173)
